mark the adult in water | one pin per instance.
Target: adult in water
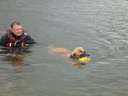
(16, 36)
(79, 54)
(13, 41)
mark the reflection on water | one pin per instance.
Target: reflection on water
(15, 57)
(17, 60)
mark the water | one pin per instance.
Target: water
(98, 25)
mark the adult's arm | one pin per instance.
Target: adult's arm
(30, 40)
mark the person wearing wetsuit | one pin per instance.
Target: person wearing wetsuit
(16, 37)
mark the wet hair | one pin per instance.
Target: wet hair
(15, 23)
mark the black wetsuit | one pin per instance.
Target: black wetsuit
(11, 40)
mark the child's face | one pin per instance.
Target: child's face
(17, 30)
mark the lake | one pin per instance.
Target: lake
(100, 26)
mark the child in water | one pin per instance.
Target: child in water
(79, 54)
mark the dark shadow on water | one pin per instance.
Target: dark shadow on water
(15, 57)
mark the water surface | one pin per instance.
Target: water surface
(100, 26)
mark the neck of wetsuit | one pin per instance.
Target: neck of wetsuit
(13, 39)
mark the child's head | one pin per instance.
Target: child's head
(17, 28)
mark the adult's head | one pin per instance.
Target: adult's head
(16, 28)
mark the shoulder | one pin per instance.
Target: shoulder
(29, 39)
(27, 36)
